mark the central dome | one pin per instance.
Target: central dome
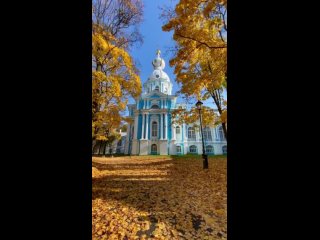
(159, 74)
(158, 80)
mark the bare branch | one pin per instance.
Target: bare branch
(203, 43)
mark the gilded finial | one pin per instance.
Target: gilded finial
(158, 52)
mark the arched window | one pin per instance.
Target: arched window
(178, 148)
(207, 134)
(155, 106)
(224, 149)
(153, 149)
(193, 149)
(221, 136)
(178, 130)
(154, 129)
(209, 149)
(191, 133)
(157, 88)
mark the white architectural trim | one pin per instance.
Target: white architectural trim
(147, 127)
(136, 127)
(161, 127)
(165, 126)
(142, 131)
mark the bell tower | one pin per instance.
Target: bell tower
(158, 81)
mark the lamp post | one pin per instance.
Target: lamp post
(204, 156)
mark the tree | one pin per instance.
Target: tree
(183, 115)
(114, 75)
(124, 128)
(200, 53)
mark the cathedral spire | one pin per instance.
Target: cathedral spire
(158, 80)
(158, 62)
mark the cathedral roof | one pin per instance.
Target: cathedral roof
(158, 65)
(157, 95)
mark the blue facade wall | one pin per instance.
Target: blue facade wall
(159, 115)
(139, 126)
(150, 127)
(141, 104)
(169, 127)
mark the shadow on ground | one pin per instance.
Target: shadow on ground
(159, 199)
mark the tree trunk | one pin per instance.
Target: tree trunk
(95, 105)
(104, 149)
(100, 147)
(110, 149)
(224, 127)
(93, 147)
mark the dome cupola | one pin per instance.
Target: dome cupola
(158, 80)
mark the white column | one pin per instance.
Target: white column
(165, 126)
(136, 127)
(147, 123)
(128, 132)
(174, 132)
(215, 134)
(198, 135)
(161, 123)
(142, 133)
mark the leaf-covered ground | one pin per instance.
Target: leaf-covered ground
(159, 198)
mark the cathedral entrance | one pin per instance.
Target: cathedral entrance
(154, 150)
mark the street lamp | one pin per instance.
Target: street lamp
(204, 156)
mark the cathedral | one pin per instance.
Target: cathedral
(152, 132)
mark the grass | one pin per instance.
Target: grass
(189, 156)
(193, 156)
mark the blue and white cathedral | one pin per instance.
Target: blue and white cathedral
(152, 131)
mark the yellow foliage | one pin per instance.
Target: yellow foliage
(159, 198)
(200, 61)
(114, 79)
(181, 116)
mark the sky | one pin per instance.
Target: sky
(154, 38)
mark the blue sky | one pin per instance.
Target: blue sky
(154, 38)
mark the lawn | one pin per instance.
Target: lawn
(162, 197)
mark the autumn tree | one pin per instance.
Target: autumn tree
(200, 53)
(114, 74)
(124, 128)
(188, 116)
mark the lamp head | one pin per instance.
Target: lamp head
(199, 105)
